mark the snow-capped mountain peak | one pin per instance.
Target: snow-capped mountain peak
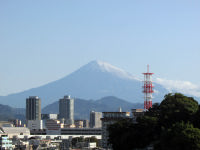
(106, 67)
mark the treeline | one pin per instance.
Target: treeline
(174, 124)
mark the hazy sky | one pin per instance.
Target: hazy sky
(44, 40)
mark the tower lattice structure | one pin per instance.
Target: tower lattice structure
(148, 89)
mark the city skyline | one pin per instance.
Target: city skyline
(43, 41)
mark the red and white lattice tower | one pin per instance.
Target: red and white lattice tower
(148, 89)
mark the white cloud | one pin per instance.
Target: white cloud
(184, 87)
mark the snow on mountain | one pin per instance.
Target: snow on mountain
(106, 67)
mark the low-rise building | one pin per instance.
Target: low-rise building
(5, 142)
(35, 124)
(81, 131)
(137, 112)
(78, 123)
(15, 131)
(38, 132)
(53, 126)
(49, 116)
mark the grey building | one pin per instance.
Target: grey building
(66, 110)
(49, 116)
(81, 131)
(33, 108)
(95, 119)
(86, 123)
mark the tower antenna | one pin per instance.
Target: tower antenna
(148, 89)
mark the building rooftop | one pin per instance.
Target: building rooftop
(11, 130)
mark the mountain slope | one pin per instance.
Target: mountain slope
(83, 107)
(7, 113)
(92, 81)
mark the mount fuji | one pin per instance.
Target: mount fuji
(94, 80)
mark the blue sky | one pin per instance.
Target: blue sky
(42, 41)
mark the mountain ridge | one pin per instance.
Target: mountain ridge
(83, 107)
(92, 81)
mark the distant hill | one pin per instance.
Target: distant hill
(7, 113)
(83, 107)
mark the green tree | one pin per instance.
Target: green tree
(125, 134)
(177, 107)
(168, 126)
(154, 111)
(120, 134)
(181, 136)
(196, 119)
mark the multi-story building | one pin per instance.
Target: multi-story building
(81, 131)
(53, 126)
(86, 123)
(66, 110)
(49, 116)
(81, 123)
(108, 119)
(95, 119)
(5, 142)
(138, 112)
(78, 123)
(35, 124)
(33, 108)
(46, 117)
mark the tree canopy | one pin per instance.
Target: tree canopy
(172, 124)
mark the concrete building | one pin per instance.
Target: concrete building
(95, 119)
(33, 108)
(53, 126)
(110, 118)
(78, 123)
(81, 131)
(86, 123)
(49, 116)
(138, 112)
(46, 117)
(66, 110)
(5, 143)
(14, 131)
(6, 124)
(35, 124)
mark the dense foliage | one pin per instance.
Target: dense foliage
(172, 125)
